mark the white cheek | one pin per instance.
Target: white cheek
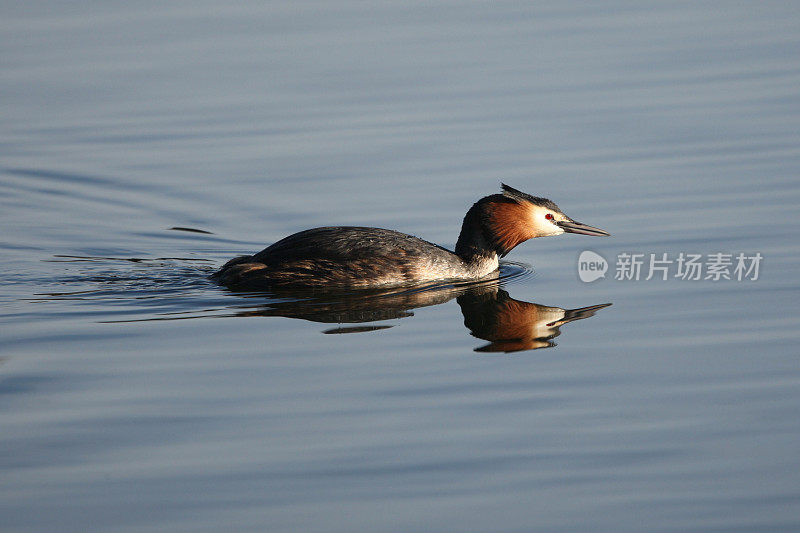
(545, 228)
(554, 230)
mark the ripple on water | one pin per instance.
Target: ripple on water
(171, 288)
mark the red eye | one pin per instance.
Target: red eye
(548, 216)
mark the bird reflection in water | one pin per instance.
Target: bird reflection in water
(490, 313)
(513, 325)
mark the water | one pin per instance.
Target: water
(138, 395)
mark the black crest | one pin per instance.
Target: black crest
(514, 194)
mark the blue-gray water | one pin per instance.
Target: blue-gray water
(135, 394)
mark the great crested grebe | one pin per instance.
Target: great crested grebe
(357, 257)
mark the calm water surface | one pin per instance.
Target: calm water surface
(135, 394)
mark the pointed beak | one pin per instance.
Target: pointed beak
(570, 315)
(570, 226)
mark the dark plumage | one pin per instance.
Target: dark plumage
(511, 192)
(335, 256)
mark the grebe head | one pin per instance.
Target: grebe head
(498, 223)
(544, 218)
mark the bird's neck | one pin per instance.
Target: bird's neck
(492, 227)
(476, 245)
